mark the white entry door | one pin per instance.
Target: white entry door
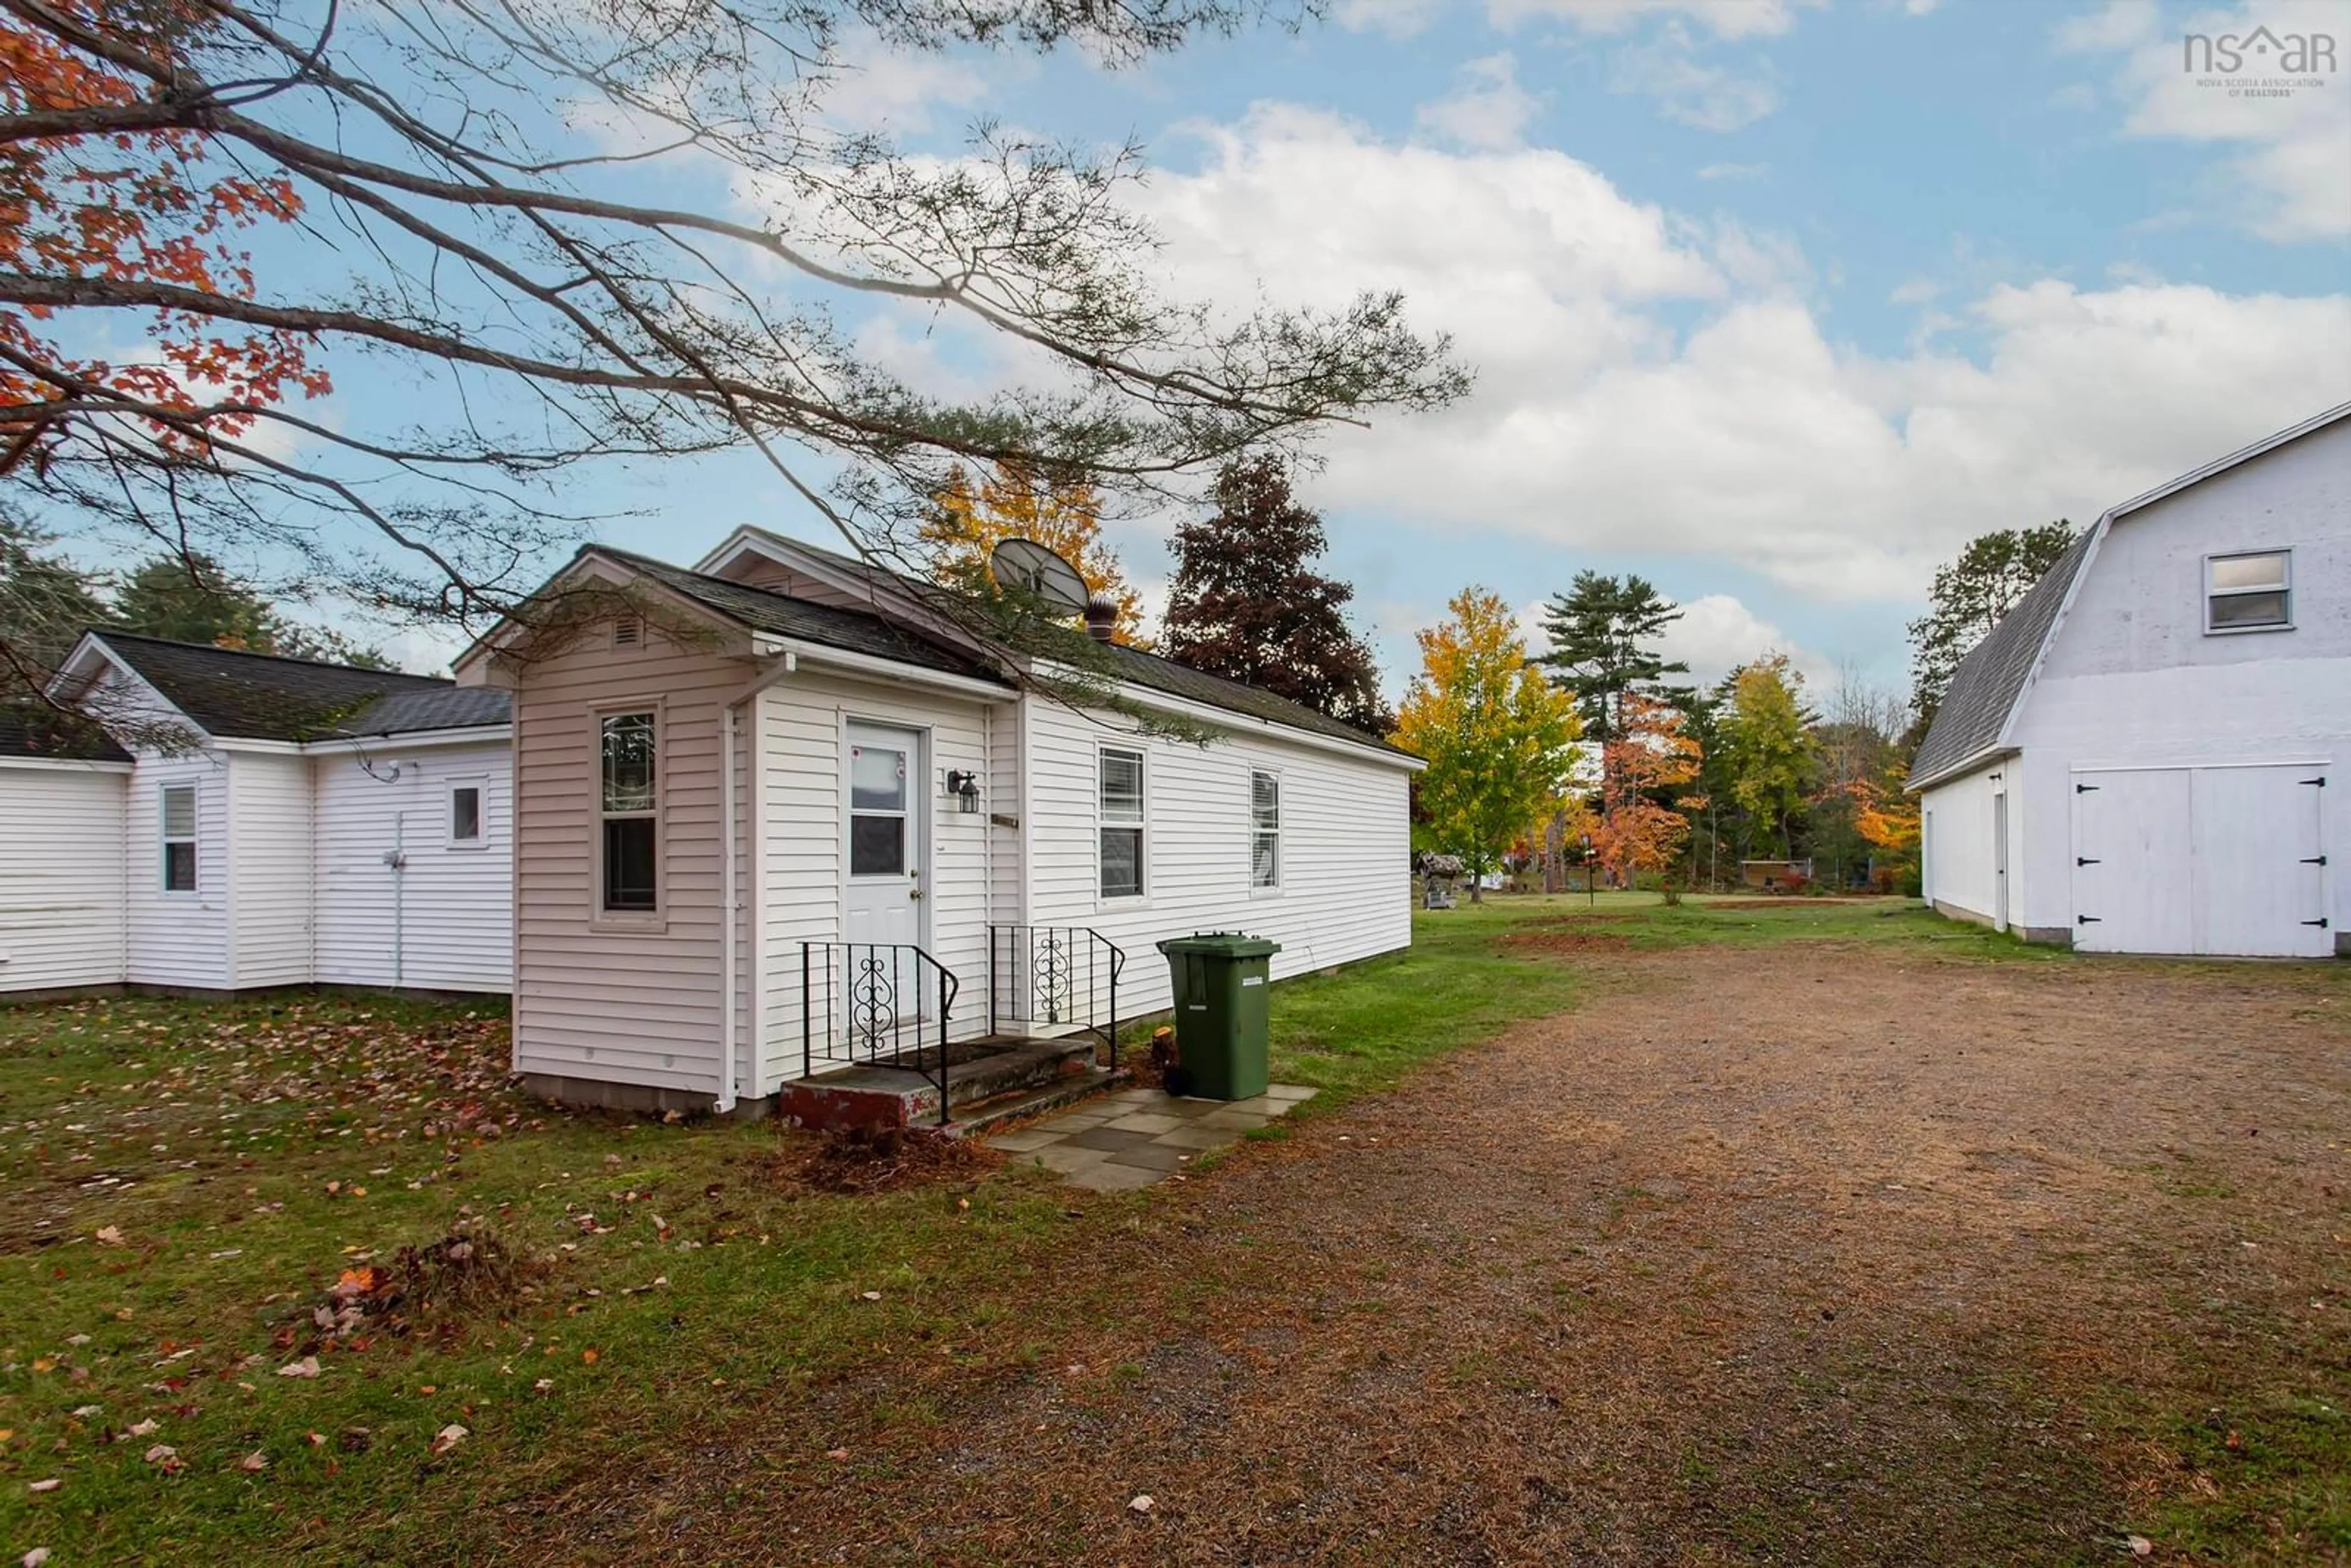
(884, 836)
(2200, 859)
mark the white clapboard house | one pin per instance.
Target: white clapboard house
(2152, 752)
(274, 822)
(789, 832)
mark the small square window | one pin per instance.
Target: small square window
(2250, 592)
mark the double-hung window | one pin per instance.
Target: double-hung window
(1121, 823)
(2250, 593)
(1265, 829)
(628, 803)
(179, 813)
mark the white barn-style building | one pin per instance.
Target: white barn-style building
(790, 819)
(2151, 753)
(307, 823)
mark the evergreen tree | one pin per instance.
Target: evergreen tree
(1247, 603)
(46, 602)
(1604, 633)
(1969, 598)
(193, 599)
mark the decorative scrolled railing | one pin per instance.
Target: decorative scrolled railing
(1054, 980)
(885, 1004)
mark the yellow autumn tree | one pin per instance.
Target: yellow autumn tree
(1498, 736)
(1014, 501)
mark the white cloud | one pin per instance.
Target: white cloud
(2291, 176)
(878, 87)
(1708, 97)
(1605, 421)
(1723, 18)
(1717, 632)
(1488, 109)
(1394, 19)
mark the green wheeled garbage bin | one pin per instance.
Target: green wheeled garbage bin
(1221, 1015)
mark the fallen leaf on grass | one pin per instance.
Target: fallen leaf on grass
(1142, 1504)
(35, 1558)
(836, 1453)
(144, 1428)
(47, 1486)
(2141, 1546)
(872, 1295)
(448, 1438)
(306, 1367)
(109, 1236)
(166, 1458)
(591, 1355)
(253, 1463)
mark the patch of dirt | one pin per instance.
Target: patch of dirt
(468, 1272)
(1801, 1253)
(882, 1160)
(1558, 941)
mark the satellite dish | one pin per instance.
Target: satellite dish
(1027, 567)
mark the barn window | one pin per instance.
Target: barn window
(179, 838)
(1265, 829)
(1122, 823)
(629, 802)
(2248, 593)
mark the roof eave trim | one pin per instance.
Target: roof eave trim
(455, 735)
(1975, 761)
(94, 643)
(1366, 749)
(823, 655)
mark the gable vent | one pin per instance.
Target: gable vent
(629, 632)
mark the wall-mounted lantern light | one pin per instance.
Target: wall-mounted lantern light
(965, 787)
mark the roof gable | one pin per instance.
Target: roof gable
(1991, 683)
(43, 733)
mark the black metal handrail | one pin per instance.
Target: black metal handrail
(1062, 978)
(864, 1002)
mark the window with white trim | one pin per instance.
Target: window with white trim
(1265, 829)
(179, 813)
(628, 799)
(2248, 593)
(1121, 797)
(465, 814)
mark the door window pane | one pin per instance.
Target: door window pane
(629, 862)
(877, 779)
(877, 846)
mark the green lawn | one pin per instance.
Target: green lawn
(186, 1180)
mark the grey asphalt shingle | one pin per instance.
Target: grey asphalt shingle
(1985, 686)
(231, 694)
(26, 730)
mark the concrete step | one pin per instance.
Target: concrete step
(985, 1116)
(874, 1094)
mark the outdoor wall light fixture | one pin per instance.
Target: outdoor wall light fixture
(965, 787)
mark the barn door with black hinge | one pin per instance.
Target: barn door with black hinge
(2132, 873)
(2261, 866)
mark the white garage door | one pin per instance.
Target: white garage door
(2201, 860)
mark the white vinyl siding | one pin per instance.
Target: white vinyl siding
(802, 726)
(270, 873)
(444, 920)
(176, 938)
(63, 895)
(1346, 877)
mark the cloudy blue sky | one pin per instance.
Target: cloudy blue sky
(1775, 301)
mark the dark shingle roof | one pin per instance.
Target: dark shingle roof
(1985, 686)
(852, 631)
(41, 732)
(234, 695)
(1162, 674)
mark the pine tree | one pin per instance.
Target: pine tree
(1247, 604)
(1970, 596)
(1604, 633)
(194, 599)
(46, 602)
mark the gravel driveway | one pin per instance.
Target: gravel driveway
(1798, 1252)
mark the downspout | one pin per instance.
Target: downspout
(729, 1061)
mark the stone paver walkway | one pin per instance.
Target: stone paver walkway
(1138, 1136)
